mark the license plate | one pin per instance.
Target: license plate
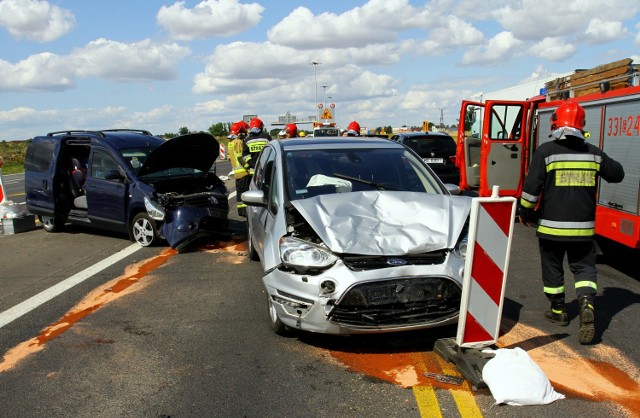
(433, 160)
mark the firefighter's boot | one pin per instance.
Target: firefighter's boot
(587, 329)
(557, 314)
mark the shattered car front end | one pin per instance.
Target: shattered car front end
(186, 200)
(378, 261)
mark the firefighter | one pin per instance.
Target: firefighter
(291, 130)
(241, 168)
(255, 141)
(560, 192)
(353, 129)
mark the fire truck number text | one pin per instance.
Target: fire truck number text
(623, 126)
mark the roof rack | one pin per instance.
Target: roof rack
(142, 131)
(97, 133)
(74, 132)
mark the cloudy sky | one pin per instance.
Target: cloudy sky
(156, 65)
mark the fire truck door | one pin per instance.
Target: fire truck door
(503, 149)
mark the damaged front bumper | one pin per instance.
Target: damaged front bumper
(343, 301)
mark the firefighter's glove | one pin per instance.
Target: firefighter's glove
(528, 217)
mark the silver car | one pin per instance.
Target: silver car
(355, 235)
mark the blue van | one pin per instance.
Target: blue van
(127, 181)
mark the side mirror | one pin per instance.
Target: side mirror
(254, 198)
(452, 188)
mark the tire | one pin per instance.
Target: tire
(51, 224)
(274, 322)
(253, 255)
(143, 230)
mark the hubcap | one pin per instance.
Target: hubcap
(143, 232)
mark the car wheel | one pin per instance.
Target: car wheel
(253, 255)
(276, 325)
(143, 230)
(51, 224)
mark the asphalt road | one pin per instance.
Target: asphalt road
(160, 334)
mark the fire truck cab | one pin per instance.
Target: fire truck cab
(496, 139)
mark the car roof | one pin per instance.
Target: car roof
(330, 142)
(113, 138)
(408, 134)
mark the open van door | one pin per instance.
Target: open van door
(504, 147)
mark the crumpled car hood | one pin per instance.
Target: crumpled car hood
(198, 151)
(386, 222)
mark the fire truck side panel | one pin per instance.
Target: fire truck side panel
(621, 141)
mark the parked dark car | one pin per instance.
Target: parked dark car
(127, 181)
(437, 149)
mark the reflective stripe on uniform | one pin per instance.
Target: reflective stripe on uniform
(554, 290)
(529, 197)
(573, 158)
(587, 283)
(566, 229)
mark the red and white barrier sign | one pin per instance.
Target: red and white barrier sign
(3, 197)
(223, 152)
(485, 273)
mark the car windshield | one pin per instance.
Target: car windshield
(310, 173)
(135, 157)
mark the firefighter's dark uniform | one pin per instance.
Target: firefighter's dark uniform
(241, 172)
(563, 182)
(254, 144)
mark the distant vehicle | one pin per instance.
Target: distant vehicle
(127, 181)
(325, 129)
(437, 149)
(355, 236)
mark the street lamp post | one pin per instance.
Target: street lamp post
(315, 79)
(324, 94)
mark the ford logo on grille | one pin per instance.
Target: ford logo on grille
(396, 261)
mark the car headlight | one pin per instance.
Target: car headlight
(154, 209)
(302, 255)
(461, 247)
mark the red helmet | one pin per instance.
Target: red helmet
(568, 114)
(238, 129)
(256, 125)
(353, 129)
(292, 130)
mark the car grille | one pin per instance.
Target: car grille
(360, 263)
(398, 302)
(204, 199)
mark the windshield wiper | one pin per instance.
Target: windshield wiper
(373, 184)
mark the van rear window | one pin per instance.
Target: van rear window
(38, 156)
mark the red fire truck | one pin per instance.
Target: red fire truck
(496, 139)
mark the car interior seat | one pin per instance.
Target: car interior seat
(78, 177)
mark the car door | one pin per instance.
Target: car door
(107, 197)
(43, 178)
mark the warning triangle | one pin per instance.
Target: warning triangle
(326, 114)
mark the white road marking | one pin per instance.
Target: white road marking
(46, 295)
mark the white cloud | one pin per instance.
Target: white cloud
(208, 19)
(455, 32)
(41, 72)
(377, 21)
(499, 49)
(553, 49)
(116, 61)
(599, 31)
(35, 20)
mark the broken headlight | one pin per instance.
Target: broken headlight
(155, 211)
(303, 256)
